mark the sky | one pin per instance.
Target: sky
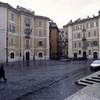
(60, 11)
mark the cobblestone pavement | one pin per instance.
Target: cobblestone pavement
(24, 78)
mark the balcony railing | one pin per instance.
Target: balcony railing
(84, 39)
(27, 35)
(83, 29)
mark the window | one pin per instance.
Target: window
(12, 55)
(27, 31)
(89, 44)
(74, 28)
(83, 26)
(78, 36)
(12, 28)
(84, 35)
(88, 25)
(27, 21)
(89, 52)
(95, 33)
(40, 33)
(40, 44)
(74, 36)
(95, 43)
(40, 55)
(40, 24)
(74, 45)
(84, 45)
(94, 24)
(79, 27)
(79, 44)
(27, 43)
(89, 34)
(79, 52)
(12, 42)
(12, 16)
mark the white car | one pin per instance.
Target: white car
(95, 65)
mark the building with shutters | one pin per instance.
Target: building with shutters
(23, 35)
(84, 37)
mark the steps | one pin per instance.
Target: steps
(89, 80)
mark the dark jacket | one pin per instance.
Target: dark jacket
(2, 73)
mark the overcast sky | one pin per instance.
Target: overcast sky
(60, 11)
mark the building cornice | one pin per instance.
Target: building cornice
(78, 21)
(8, 6)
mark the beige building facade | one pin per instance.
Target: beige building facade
(23, 35)
(84, 38)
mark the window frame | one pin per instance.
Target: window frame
(12, 41)
(12, 56)
(40, 23)
(40, 43)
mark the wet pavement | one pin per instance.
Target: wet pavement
(42, 80)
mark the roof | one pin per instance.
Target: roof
(79, 20)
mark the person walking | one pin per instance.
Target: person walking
(2, 73)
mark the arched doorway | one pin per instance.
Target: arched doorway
(27, 55)
(84, 54)
(95, 56)
(75, 55)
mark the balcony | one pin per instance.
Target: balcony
(27, 36)
(83, 29)
(84, 39)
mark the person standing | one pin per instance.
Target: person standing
(2, 73)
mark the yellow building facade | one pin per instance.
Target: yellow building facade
(84, 38)
(23, 35)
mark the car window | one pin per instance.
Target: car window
(96, 62)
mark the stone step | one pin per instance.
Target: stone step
(98, 75)
(83, 84)
(87, 81)
(93, 80)
(96, 78)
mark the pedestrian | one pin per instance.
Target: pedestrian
(2, 73)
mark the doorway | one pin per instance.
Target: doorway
(75, 55)
(27, 55)
(95, 56)
(84, 55)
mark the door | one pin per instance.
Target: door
(84, 54)
(75, 55)
(27, 55)
(95, 56)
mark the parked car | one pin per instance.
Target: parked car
(95, 65)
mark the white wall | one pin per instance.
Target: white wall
(70, 49)
(47, 40)
(3, 31)
(99, 37)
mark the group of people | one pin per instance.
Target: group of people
(2, 73)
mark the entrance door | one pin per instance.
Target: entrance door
(84, 55)
(27, 55)
(75, 55)
(95, 55)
